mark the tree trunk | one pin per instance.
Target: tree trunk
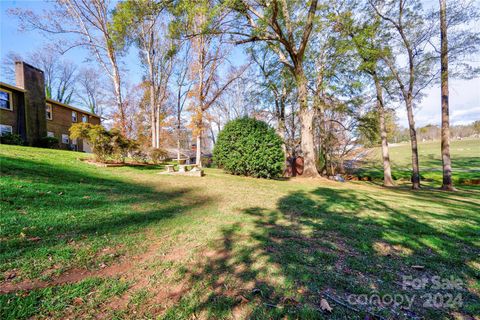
(387, 172)
(153, 107)
(280, 113)
(179, 119)
(414, 145)
(306, 123)
(178, 136)
(323, 139)
(446, 161)
(118, 97)
(308, 144)
(157, 128)
(178, 145)
(118, 89)
(281, 133)
(198, 160)
(152, 125)
(153, 115)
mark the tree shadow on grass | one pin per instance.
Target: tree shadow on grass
(46, 209)
(458, 163)
(334, 243)
(149, 167)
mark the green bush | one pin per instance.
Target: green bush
(121, 145)
(157, 155)
(105, 144)
(97, 136)
(249, 147)
(11, 138)
(48, 142)
(139, 156)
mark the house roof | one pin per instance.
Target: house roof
(9, 86)
(71, 107)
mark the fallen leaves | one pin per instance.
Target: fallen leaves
(78, 301)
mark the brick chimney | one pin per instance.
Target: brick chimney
(32, 80)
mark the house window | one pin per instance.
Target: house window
(74, 116)
(50, 134)
(84, 118)
(49, 111)
(5, 129)
(65, 139)
(6, 100)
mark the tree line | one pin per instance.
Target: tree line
(327, 75)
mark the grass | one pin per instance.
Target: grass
(221, 246)
(465, 156)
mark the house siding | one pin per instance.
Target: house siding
(15, 117)
(62, 121)
(28, 117)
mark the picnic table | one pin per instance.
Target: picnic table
(185, 167)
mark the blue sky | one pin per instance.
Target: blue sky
(464, 95)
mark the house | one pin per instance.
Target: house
(25, 110)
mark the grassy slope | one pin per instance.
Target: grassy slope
(222, 246)
(465, 160)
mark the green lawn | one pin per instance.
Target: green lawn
(79, 241)
(465, 156)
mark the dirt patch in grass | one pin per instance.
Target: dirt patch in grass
(110, 163)
(70, 276)
(125, 268)
(159, 284)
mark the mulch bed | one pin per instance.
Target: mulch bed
(116, 164)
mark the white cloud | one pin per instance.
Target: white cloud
(464, 105)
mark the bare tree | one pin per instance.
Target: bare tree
(183, 84)
(209, 56)
(8, 66)
(90, 90)
(90, 23)
(66, 80)
(60, 74)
